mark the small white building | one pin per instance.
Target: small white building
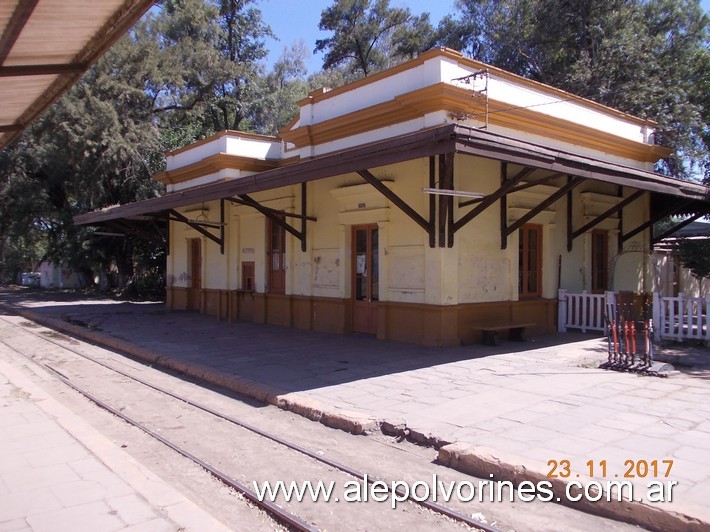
(53, 275)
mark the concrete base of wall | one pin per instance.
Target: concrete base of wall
(432, 325)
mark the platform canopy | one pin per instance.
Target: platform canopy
(669, 196)
(46, 45)
(430, 142)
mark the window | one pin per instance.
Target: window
(600, 261)
(277, 258)
(530, 261)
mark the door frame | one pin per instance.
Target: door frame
(365, 312)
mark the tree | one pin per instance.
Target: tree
(242, 47)
(649, 58)
(361, 33)
(280, 91)
(695, 255)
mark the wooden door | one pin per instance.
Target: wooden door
(365, 279)
(195, 294)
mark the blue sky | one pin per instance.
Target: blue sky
(292, 20)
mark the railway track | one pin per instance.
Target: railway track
(240, 441)
(122, 392)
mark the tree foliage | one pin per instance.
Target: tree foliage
(369, 35)
(649, 58)
(695, 255)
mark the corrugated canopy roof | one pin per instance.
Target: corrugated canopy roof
(46, 45)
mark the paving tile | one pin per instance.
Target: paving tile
(696, 438)
(55, 455)
(570, 445)
(14, 525)
(601, 434)
(34, 478)
(18, 505)
(132, 509)
(85, 517)
(78, 492)
(650, 447)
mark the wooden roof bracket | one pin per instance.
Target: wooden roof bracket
(524, 186)
(277, 216)
(9, 128)
(562, 191)
(41, 70)
(200, 227)
(571, 235)
(655, 218)
(18, 20)
(489, 200)
(399, 202)
(677, 227)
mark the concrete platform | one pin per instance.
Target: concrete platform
(59, 473)
(506, 410)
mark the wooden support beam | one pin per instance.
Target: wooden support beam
(503, 207)
(277, 216)
(139, 230)
(677, 227)
(271, 215)
(432, 202)
(570, 238)
(446, 202)
(41, 70)
(304, 207)
(669, 211)
(492, 198)
(394, 198)
(544, 204)
(524, 186)
(603, 216)
(222, 226)
(535, 183)
(278, 212)
(449, 163)
(177, 217)
(18, 20)
(620, 225)
(443, 204)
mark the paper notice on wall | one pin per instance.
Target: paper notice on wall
(361, 264)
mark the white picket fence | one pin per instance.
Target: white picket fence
(681, 318)
(583, 311)
(676, 318)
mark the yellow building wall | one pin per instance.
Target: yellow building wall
(427, 295)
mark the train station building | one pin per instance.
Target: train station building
(412, 205)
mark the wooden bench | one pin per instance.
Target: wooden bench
(516, 331)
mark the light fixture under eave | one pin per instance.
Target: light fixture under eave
(460, 193)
